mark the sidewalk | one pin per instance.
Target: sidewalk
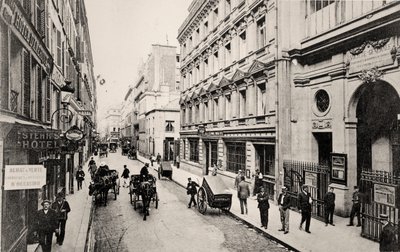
(76, 228)
(331, 238)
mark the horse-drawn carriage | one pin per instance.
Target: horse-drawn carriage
(215, 193)
(165, 170)
(100, 186)
(125, 150)
(103, 149)
(144, 192)
(132, 153)
(113, 147)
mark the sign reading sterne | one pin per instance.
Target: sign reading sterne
(21, 177)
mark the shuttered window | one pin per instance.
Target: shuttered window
(48, 99)
(39, 94)
(40, 17)
(26, 79)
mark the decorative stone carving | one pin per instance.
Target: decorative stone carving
(374, 43)
(242, 26)
(371, 75)
(322, 124)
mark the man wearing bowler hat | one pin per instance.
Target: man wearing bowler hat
(45, 224)
(388, 239)
(284, 209)
(62, 209)
(355, 209)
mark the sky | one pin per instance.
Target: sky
(121, 34)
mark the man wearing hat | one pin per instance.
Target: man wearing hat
(192, 191)
(144, 172)
(45, 224)
(355, 209)
(62, 209)
(103, 169)
(284, 209)
(388, 241)
(237, 179)
(305, 205)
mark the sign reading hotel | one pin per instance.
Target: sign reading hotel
(38, 139)
(370, 54)
(21, 177)
(385, 194)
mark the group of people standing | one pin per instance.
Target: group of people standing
(52, 218)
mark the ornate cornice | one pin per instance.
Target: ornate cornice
(374, 43)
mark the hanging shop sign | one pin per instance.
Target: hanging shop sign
(74, 134)
(38, 139)
(21, 177)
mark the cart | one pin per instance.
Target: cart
(103, 150)
(113, 147)
(139, 190)
(125, 150)
(214, 193)
(165, 170)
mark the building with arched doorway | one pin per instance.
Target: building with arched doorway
(343, 116)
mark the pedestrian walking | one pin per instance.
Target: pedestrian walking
(62, 208)
(305, 203)
(152, 160)
(388, 240)
(263, 206)
(125, 176)
(92, 170)
(92, 162)
(44, 225)
(192, 191)
(158, 158)
(80, 176)
(329, 200)
(238, 177)
(355, 209)
(243, 194)
(258, 176)
(284, 209)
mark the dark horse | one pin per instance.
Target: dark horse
(99, 188)
(148, 191)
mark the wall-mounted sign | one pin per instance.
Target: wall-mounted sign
(385, 194)
(74, 134)
(21, 177)
(310, 178)
(38, 139)
(339, 168)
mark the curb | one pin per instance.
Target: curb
(88, 241)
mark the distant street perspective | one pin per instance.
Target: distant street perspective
(201, 125)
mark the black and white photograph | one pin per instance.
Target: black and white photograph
(199, 125)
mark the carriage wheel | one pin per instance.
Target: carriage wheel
(228, 207)
(156, 199)
(202, 200)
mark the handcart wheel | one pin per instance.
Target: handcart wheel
(156, 199)
(202, 200)
(134, 201)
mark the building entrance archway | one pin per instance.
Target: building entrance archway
(377, 113)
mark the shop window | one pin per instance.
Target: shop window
(194, 150)
(236, 157)
(266, 159)
(214, 153)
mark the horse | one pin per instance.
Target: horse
(100, 186)
(147, 192)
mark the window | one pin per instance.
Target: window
(184, 149)
(242, 45)
(194, 150)
(261, 100)
(228, 107)
(205, 30)
(190, 44)
(197, 113)
(215, 17)
(266, 159)
(228, 7)
(40, 17)
(169, 126)
(261, 33)
(236, 157)
(322, 100)
(206, 69)
(317, 5)
(39, 94)
(59, 49)
(26, 78)
(190, 115)
(242, 104)
(216, 63)
(215, 112)
(228, 53)
(206, 114)
(214, 153)
(197, 38)
(184, 50)
(26, 4)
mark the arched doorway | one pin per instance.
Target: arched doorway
(378, 142)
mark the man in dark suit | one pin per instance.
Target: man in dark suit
(355, 209)
(192, 191)
(45, 224)
(329, 201)
(62, 209)
(144, 172)
(304, 200)
(388, 236)
(284, 209)
(263, 206)
(243, 194)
